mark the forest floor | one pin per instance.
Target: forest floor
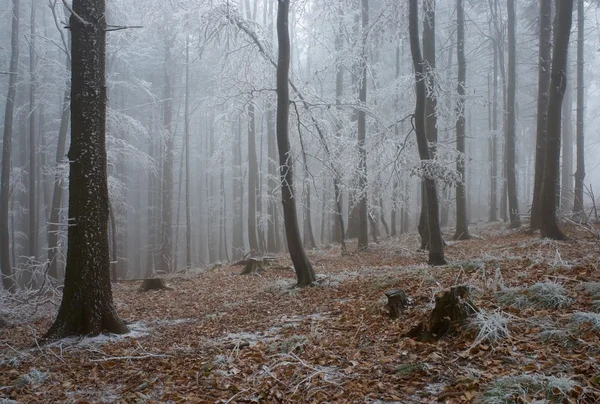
(222, 337)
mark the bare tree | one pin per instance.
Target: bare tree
(462, 219)
(7, 280)
(304, 272)
(87, 306)
(363, 222)
(545, 50)
(436, 244)
(511, 118)
(580, 172)
(548, 225)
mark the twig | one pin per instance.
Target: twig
(84, 22)
(120, 358)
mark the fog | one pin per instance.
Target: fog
(191, 137)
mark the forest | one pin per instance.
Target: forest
(290, 201)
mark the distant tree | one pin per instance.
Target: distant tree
(7, 280)
(544, 66)
(580, 172)
(87, 306)
(548, 224)
(462, 219)
(511, 118)
(304, 272)
(363, 223)
(436, 244)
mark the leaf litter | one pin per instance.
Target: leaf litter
(219, 337)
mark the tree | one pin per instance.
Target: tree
(7, 280)
(252, 179)
(548, 225)
(462, 219)
(545, 48)
(363, 223)
(580, 172)
(33, 223)
(87, 305)
(304, 272)
(430, 105)
(511, 118)
(166, 228)
(436, 244)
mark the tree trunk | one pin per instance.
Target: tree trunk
(304, 272)
(545, 50)
(7, 281)
(436, 244)
(188, 217)
(430, 107)
(363, 222)
(87, 307)
(33, 210)
(252, 177)
(166, 251)
(462, 221)
(238, 195)
(549, 226)
(578, 211)
(511, 176)
(494, 146)
(566, 180)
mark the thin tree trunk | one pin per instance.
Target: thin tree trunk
(436, 244)
(304, 272)
(462, 221)
(494, 146)
(549, 226)
(578, 211)
(7, 281)
(545, 50)
(566, 180)
(363, 223)
(188, 217)
(252, 177)
(238, 195)
(513, 206)
(430, 106)
(33, 210)
(166, 251)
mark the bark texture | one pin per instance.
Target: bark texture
(549, 225)
(87, 305)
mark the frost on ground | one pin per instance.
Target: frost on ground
(492, 327)
(547, 295)
(591, 319)
(528, 388)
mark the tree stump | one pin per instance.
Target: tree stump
(257, 264)
(153, 284)
(452, 308)
(397, 302)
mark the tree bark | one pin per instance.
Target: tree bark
(548, 225)
(252, 178)
(238, 194)
(436, 244)
(430, 107)
(494, 140)
(7, 281)
(545, 50)
(188, 216)
(87, 306)
(33, 209)
(566, 172)
(166, 251)
(363, 221)
(578, 211)
(511, 175)
(462, 221)
(304, 272)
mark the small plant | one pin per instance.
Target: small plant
(530, 387)
(549, 295)
(492, 327)
(514, 297)
(593, 319)
(561, 337)
(34, 376)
